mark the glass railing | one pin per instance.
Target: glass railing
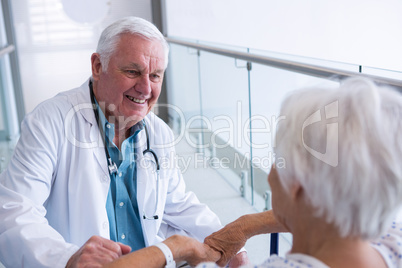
(228, 106)
(9, 130)
(9, 121)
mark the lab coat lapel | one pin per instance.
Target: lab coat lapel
(146, 189)
(83, 105)
(100, 156)
(99, 149)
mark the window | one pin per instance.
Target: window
(50, 26)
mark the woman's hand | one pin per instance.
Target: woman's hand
(190, 250)
(228, 241)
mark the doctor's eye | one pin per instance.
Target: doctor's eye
(131, 73)
(155, 77)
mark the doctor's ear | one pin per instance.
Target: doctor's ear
(96, 66)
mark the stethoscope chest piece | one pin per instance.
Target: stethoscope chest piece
(112, 166)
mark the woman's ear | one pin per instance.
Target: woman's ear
(96, 66)
(296, 191)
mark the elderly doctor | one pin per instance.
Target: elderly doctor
(94, 164)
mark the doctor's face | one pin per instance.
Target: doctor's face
(132, 83)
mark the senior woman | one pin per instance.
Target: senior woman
(337, 191)
(341, 185)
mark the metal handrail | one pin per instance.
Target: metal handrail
(7, 50)
(294, 66)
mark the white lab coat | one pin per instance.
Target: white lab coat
(53, 193)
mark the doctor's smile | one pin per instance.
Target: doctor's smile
(135, 100)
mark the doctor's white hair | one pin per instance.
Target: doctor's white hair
(362, 192)
(110, 37)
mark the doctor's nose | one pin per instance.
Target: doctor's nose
(143, 85)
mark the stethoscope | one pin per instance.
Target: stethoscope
(112, 167)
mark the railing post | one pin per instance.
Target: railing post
(200, 143)
(244, 182)
(267, 199)
(2, 162)
(213, 159)
(274, 243)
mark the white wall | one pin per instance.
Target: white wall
(364, 32)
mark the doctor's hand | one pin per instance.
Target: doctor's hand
(190, 250)
(96, 252)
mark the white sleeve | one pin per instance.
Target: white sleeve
(207, 265)
(390, 245)
(24, 188)
(214, 265)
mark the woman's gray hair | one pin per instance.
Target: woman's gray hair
(347, 156)
(111, 35)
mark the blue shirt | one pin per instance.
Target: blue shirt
(121, 204)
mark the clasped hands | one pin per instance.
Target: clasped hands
(220, 247)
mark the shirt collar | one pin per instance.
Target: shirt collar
(109, 131)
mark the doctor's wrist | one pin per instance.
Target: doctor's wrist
(177, 245)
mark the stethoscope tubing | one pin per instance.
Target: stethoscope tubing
(112, 167)
(149, 150)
